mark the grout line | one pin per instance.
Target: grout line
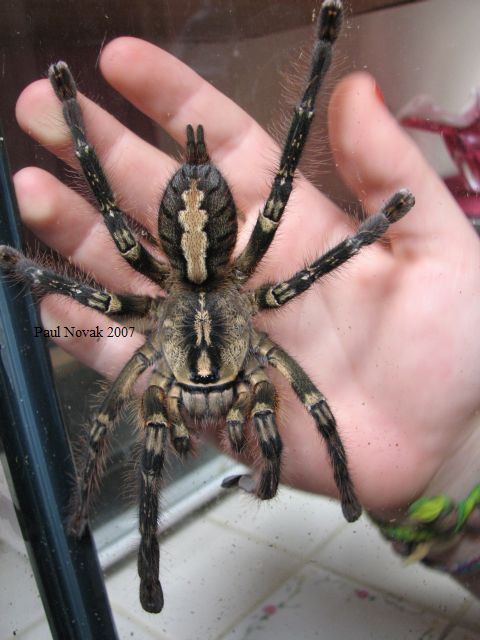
(454, 617)
(388, 595)
(128, 616)
(449, 625)
(457, 619)
(446, 631)
(302, 562)
(261, 599)
(310, 560)
(115, 552)
(275, 545)
(450, 619)
(32, 625)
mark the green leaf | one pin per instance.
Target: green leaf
(429, 509)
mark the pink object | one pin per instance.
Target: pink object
(269, 609)
(461, 134)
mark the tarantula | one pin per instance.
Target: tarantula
(207, 359)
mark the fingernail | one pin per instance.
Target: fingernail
(379, 93)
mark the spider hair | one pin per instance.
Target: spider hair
(207, 362)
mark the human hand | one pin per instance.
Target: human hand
(390, 340)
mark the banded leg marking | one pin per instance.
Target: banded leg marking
(329, 24)
(179, 433)
(317, 406)
(237, 416)
(155, 425)
(263, 414)
(131, 250)
(43, 281)
(273, 296)
(103, 424)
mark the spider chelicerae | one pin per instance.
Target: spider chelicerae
(207, 360)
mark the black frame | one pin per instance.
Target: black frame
(38, 460)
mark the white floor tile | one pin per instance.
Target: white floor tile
(471, 617)
(130, 628)
(20, 603)
(359, 552)
(126, 629)
(317, 604)
(211, 577)
(39, 631)
(295, 521)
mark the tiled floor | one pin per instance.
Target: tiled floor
(248, 571)
(240, 570)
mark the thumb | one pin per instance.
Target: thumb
(376, 157)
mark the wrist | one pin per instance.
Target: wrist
(461, 561)
(443, 534)
(442, 529)
(460, 470)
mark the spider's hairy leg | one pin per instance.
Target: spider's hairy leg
(103, 423)
(263, 414)
(155, 426)
(237, 416)
(318, 408)
(44, 281)
(179, 432)
(329, 23)
(259, 388)
(271, 296)
(131, 250)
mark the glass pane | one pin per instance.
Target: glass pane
(242, 49)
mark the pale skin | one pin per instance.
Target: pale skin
(391, 340)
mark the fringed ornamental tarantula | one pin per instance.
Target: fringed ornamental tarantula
(208, 361)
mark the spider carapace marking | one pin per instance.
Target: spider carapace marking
(205, 328)
(198, 220)
(207, 361)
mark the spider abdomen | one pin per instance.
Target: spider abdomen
(198, 223)
(206, 402)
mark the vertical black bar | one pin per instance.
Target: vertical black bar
(39, 463)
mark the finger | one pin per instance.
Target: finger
(65, 221)
(174, 95)
(137, 171)
(104, 354)
(376, 157)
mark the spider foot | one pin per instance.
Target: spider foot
(269, 479)
(398, 205)
(77, 524)
(351, 508)
(330, 20)
(9, 256)
(151, 596)
(62, 81)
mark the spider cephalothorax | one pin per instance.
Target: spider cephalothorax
(208, 362)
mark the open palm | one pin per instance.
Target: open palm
(390, 340)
